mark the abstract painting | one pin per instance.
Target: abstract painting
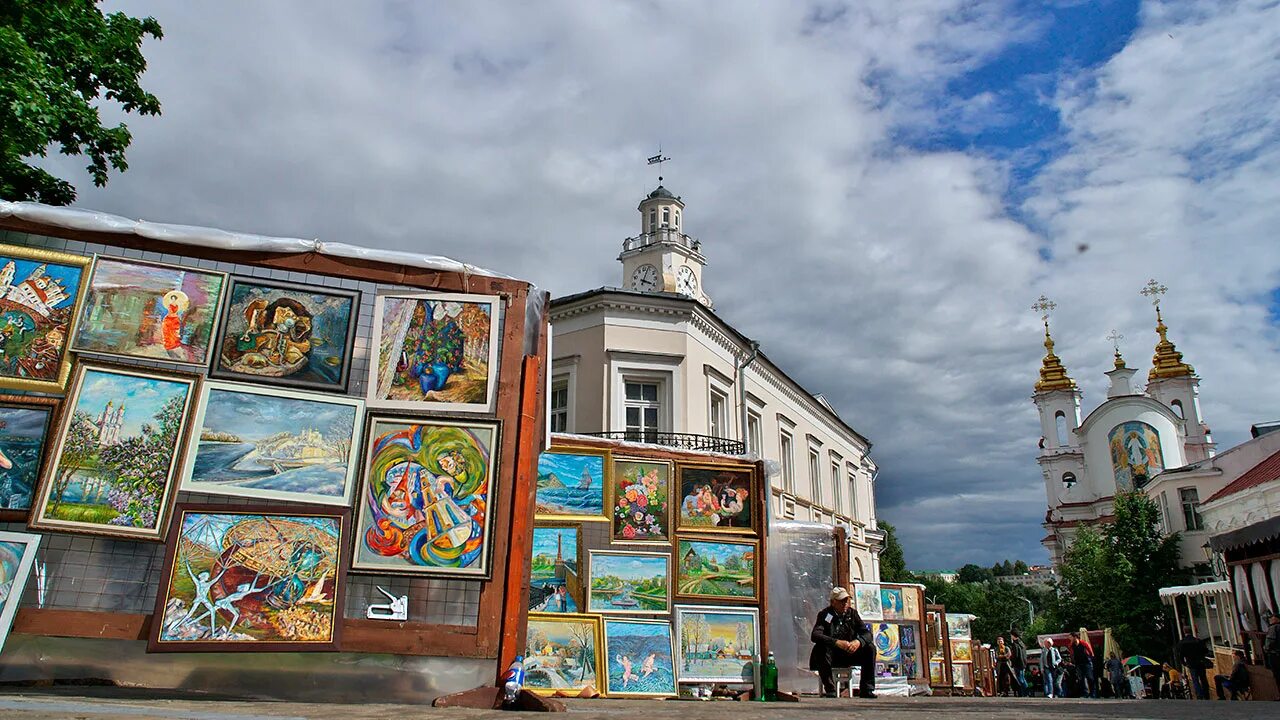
(715, 569)
(40, 292)
(555, 569)
(251, 578)
(961, 651)
(251, 441)
(715, 644)
(640, 498)
(891, 603)
(958, 626)
(115, 457)
(563, 653)
(907, 636)
(284, 334)
(911, 603)
(151, 311)
(866, 599)
(435, 351)
(716, 499)
(1135, 454)
(424, 504)
(885, 637)
(17, 555)
(640, 658)
(910, 665)
(25, 425)
(571, 484)
(629, 582)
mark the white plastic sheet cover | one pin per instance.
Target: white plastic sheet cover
(801, 569)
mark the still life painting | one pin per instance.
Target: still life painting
(285, 334)
(639, 655)
(885, 637)
(721, 570)
(891, 603)
(571, 484)
(25, 423)
(715, 499)
(149, 310)
(640, 497)
(39, 295)
(17, 555)
(563, 653)
(866, 598)
(424, 502)
(555, 569)
(629, 582)
(251, 441)
(715, 644)
(435, 351)
(251, 579)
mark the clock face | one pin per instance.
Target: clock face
(645, 278)
(686, 281)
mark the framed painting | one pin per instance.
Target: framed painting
(279, 333)
(640, 656)
(962, 675)
(40, 296)
(640, 501)
(150, 311)
(115, 459)
(911, 665)
(17, 555)
(866, 598)
(563, 653)
(571, 483)
(907, 636)
(958, 626)
(435, 352)
(716, 644)
(555, 568)
(891, 603)
(961, 651)
(716, 499)
(272, 443)
(629, 583)
(26, 422)
(911, 603)
(717, 570)
(251, 578)
(888, 647)
(423, 506)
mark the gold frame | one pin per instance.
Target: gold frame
(611, 497)
(671, 638)
(31, 254)
(605, 515)
(677, 560)
(34, 402)
(753, 493)
(581, 552)
(567, 618)
(591, 554)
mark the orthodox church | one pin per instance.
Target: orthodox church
(1123, 443)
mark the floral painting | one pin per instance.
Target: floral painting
(962, 675)
(39, 293)
(1135, 454)
(563, 653)
(716, 644)
(885, 637)
(639, 656)
(866, 598)
(555, 570)
(641, 501)
(17, 555)
(571, 484)
(891, 603)
(25, 424)
(629, 582)
(716, 499)
(715, 569)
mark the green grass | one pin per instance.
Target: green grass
(77, 512)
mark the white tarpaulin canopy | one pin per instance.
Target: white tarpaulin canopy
(1210, 588)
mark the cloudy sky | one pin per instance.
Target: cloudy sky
(882, 187)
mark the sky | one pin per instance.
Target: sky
(882, 188)
(142, 397)
(252, 416)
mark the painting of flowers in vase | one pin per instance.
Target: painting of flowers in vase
(640, 501)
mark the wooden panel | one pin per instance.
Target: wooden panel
(406, 638)
(841, 578)
(82, 624)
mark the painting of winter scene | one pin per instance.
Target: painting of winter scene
(555, 575)
(17, 555)
(271, 443)
(571, 485)
(629, 582)
(25, 422)
(639, 656)
(562, 653)
(715, 644)
(720, 570)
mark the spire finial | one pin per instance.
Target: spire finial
(1167, 362)
(1053, 376)
(1115, 337)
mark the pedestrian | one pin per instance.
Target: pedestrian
(1018, 661)
(1194, 655)
(840, 640)
(1004, 667)
(1115, 675)
(1082, 655)
(1271, 647)
(1035, 679)
(1237, 682)
(1050, 665)
(1172, 685)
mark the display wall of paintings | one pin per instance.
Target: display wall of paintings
(866, 598)
(252, 579)
(716, 644)
(26, 423)
(715, 499)
(284, 334)
(113, 465)
(716, 569)
(40, 296)
(435, 351)
(563, 653)
(640, 657)
(17, 555)
(640, 501)
(556, 577)
(629, 583)
(571, 484)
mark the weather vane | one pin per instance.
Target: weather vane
(658, 160)
(1115, 337)
(1044, 306)
(1154, 290)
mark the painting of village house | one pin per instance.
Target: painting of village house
(640, 658)
(25, 424)
(715, 644)
(285, 334)
(571, 485)
(629, 582)
(148, 310)
(251, 579)
(435, 351)
(17, 555)
(114, 462)
(39, 292)
(717, 569)
(641, 501)
(563, 653)
(252, 441)
(715, 499)
(555, 574)
(425, 498)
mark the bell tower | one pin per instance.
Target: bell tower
(1057, 398)
(1173, 383)
(662, 258)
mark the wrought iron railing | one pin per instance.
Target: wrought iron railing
(681, 441)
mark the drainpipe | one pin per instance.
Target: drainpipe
(742, 390)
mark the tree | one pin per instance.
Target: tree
(57, 58)
(1020, 568)
(77, 452)
(973, 574)
(893, 563)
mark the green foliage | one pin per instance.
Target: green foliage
(893, 564)
(973, 574)
(57, 58)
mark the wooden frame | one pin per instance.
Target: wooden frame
(63, 371)
(32, 402)
(579, 556)
(679, 492)
(612, 501)
(591, 575)
(609, 657)
(866, 598)
(16, 567)
(606, 477)
(678, 627)
(678, 559)
(531, 660)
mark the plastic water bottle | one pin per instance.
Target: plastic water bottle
(769, 679)
(513, 682)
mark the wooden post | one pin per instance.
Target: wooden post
(841, 565)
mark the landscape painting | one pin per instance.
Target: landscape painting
(715, 499)
(563, 653)
(866, 599)
(424, 504)
(555, 570)
(251, 578)
(958, 627)
(114, 462)
(961, 651)
(629, 582)
(273, 443)
(639, 655)
(571, 485)
(885, 637)
(641, 505)
(284, 334)
(40, 291)
(25, 425)
(148, 310)
(435, 351)
(714, 569)
(17, 555)
(891, 603)
(715, 644)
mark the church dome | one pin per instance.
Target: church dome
(663, 193)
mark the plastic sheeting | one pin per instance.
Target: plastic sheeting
(801, 571)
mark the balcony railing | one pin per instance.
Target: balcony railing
(660, 235)
(679, 441)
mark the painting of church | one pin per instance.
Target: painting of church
(1135, 454)
(38, 295)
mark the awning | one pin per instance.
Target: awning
(1248, 535)
(1218, 587)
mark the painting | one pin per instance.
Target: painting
(251, 578)
(435, 351)
(716, 569)
(17, 555)
(257, 442)
(716, 644)
(555, 569)
(716, 499)
(1135, 454)
(283, 334)
(151, 311)
(866, 599)
(961, 651)
(910, 665)
(911, 603)
(115, 458)
(885, 637)
(958, 627)
(936, 674)
(891, 603)
(640, 498)
(571, 484)
(25, 425)
(563, 653)
(425, 497)
(40, 293)
(640, 657)
(907, 636)
(629, 582)
(962, 675)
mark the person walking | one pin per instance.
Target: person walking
(1004, 668)
(1050, 664)
(1082, 654)
(1018, 661)
(1271, 647)
(1194, 655)
(841, 639)
(1115, 675)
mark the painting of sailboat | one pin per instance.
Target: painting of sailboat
(571, 484)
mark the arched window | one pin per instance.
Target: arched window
(857, 562)
(666, 216)
(1060, 420)
(1069, 479)
(1176, 405)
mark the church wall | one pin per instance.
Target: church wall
(1101, 475)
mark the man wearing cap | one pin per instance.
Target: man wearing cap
(841, 639)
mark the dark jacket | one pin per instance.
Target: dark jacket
(1239, 677)
(1019, 659)
(1193, 653)
(1081, 656)
(830, 627)
(1271, 645)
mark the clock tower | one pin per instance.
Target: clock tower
(662, 258)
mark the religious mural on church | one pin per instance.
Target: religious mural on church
(1135, 453)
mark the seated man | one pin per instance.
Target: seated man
(841, 639)
(1237, 682)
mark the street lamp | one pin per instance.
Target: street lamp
(1031, 611)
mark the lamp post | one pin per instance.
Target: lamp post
(1031, 611)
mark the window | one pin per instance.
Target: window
(1060, 421)
(1191, 509)
(1176, 406)
(853, 491)
(677, 219)
(666, 216)
(815, 479)
(560, 405)
(1068, 479)
(753, 434)
(1166, 524)
(643, 410)
(653, 219)
(787, 460)
(718, 418)
(837, 497)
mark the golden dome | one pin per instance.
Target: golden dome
(1167, 362)
(1053, 376)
